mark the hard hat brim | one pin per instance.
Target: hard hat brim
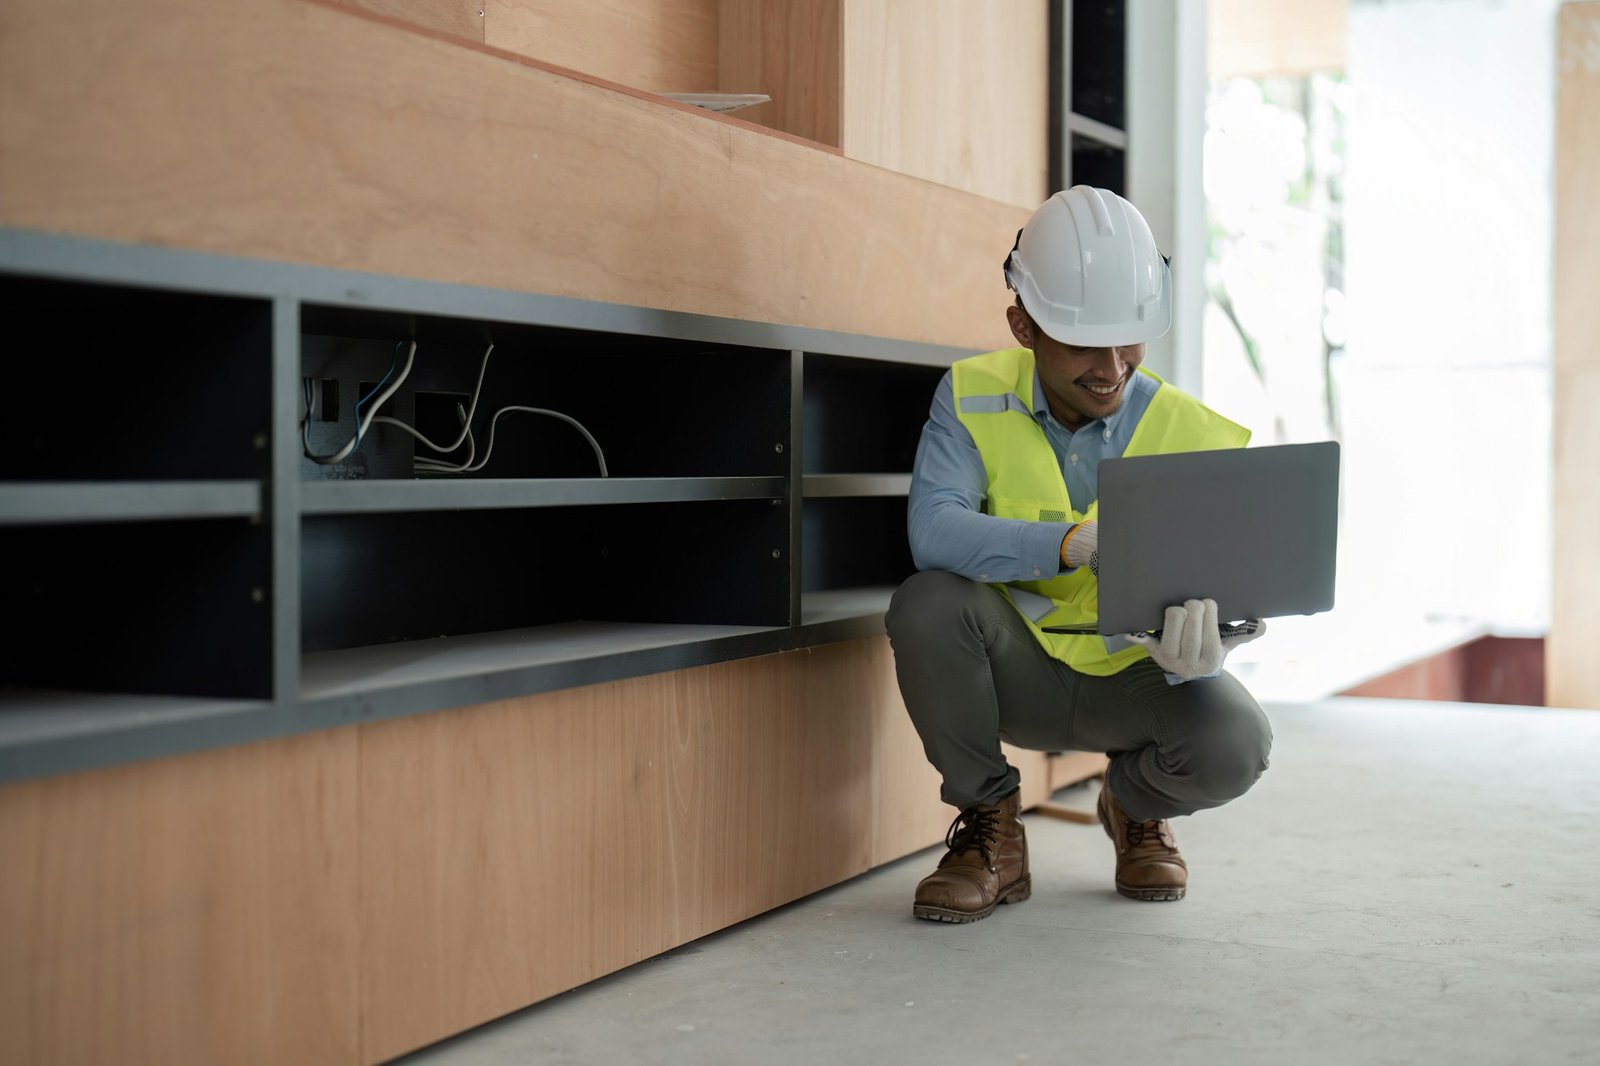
(1095, 334)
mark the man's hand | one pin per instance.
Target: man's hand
(1081, 546)
(1191, 646)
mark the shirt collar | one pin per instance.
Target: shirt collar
(1041, 406)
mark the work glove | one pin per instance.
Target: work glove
(1081, 547)
(1191, 645)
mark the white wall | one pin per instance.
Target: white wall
(1166, 127)
(1446, 381)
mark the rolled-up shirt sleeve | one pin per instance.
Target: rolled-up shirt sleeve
(945, 520)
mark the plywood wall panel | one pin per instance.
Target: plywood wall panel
(288, 130)
(196, 909)
(907, 813)
(1034, 767)
(514, 850)
(790, 50)
(951, 91)
(459, 18)
(1572, 669)
(1073, 767)
(656, 45)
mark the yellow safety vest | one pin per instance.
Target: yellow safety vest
(994, 400)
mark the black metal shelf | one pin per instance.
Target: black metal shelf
(458, 670)
(866, 602)
(1097, 131)
(189, 563)
(444, 494)
(52, 731)
(1088, 136)
(51, 503)
(823, 486)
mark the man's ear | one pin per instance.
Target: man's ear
(1021, 326)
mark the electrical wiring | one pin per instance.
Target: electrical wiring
(425, 464)
(362, 424)
(436, 466)
(466, 420)
(394, 361)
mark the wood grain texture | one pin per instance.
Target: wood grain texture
(1571, 667)
(792, 51)
(287, 130)
(1265, 38)
(1577, 174)
(656, 45)
(459, 18)
(907, 813)
(1073, 767)
(514, 850)
(951, 91)
(196, 909)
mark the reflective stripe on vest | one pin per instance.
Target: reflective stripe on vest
(994, 400)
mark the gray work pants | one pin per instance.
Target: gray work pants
(973, 674)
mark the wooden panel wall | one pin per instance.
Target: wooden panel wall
(459, 18)
(351, 895)
(288, 130)
(790, 50)
(1261, 38)
(656, 45)
(1572, 667)
(197, 909)
(569, 835)
(951, 91)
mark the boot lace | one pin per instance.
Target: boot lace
(1156, 830)
(975, 828)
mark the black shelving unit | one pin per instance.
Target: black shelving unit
(179, 575)
(863, 418)
(1088, 94)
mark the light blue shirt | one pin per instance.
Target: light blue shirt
(945, 520)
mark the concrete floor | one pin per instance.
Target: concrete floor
(1410, 883)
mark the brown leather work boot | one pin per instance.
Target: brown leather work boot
(987, 864)
(1148, 864)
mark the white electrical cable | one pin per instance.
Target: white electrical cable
(469, 466)
(472, 464)
(466, 422)
(362, 426)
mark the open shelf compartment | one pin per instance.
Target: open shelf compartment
(863, 416)
(657, 407)
(134, 384)
(383, 578)
(177, 608)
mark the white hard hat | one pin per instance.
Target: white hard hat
(1088, 271)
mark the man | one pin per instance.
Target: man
(1002, 521)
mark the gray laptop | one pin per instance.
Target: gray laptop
(1253, 528)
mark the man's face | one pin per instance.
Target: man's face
(1081, 384)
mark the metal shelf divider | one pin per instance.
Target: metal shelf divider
(45, 503)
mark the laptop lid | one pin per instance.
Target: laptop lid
(1253, 528)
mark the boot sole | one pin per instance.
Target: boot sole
(1015, 892)
(1152, 895)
